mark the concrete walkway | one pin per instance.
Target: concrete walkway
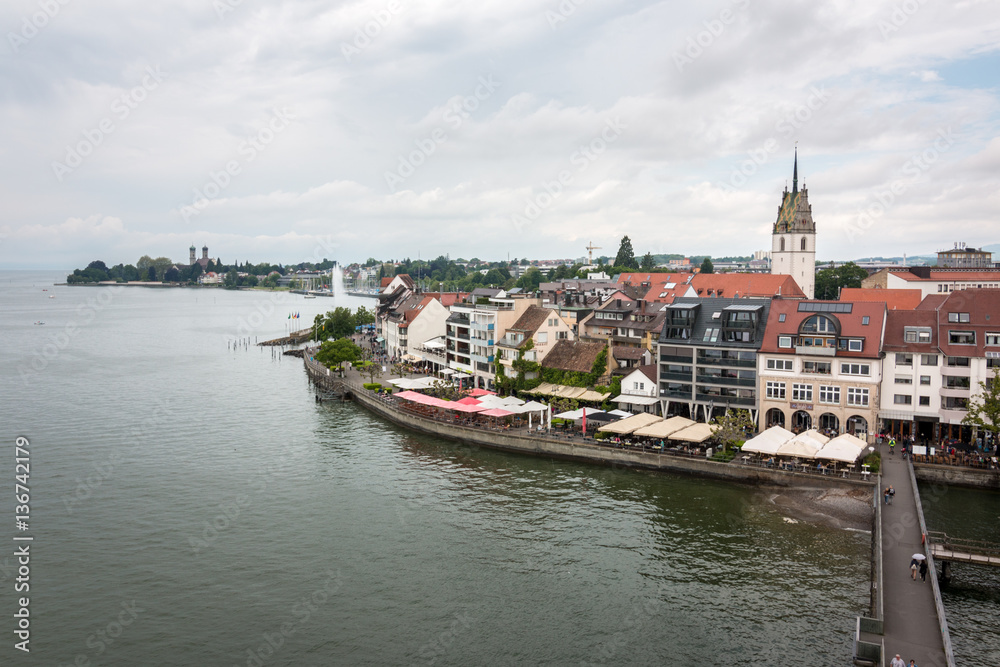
(911, 623)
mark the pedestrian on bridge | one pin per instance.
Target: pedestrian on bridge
(923, 570)
(897, 662)
(914, 566)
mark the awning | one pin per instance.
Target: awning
(802, 446)
(663, 429)
(768, 441)
(446, 371)
(630, 424)
(696, 433)
(434, 345)
(636, 400)
(496, 412)
(846, 448)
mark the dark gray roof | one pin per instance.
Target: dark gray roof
(704, 319)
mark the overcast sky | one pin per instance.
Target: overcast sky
(292, 131)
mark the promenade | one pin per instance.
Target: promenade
(911, 621)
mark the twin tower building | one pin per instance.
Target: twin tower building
(793, 239)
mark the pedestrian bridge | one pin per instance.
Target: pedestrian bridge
(950, 549)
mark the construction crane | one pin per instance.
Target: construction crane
(590, 252)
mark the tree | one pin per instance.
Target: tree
(706, 266)
(196, 271)
(363, 316)
(530, 281)
(151, 273)
(371, 369)
(733, 428)
(333, 353)
(626, 256)
(232, 279)
(983, 410)
(250, 281)
(829, 282)
(338, 323)
(172, 275)
(647, 263)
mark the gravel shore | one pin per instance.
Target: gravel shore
(837, 508)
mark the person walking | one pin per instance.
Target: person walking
(892, 446)
(892, 493)
(923, 570)
(886, 495)
(913, 663)
(897, 662)
(913, 569)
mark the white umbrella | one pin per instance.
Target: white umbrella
(572, 414)
(919, 557)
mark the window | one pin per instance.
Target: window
(802, 392)
(901, 399)
(562, 335)
(955, 382)
(925, 400)
(962, 337)
(993, 363)
(904, 379)
(928, 359)
(818, 367)
(818, 324)
(542, 338)
(803, 244)
(781, 317)
(958, 362)
(958, 317)
(916, 335)
(954, 403)
(904, 359)
(993, 339)
(925, 379)
(784, 341)
(711, 335)
(779, 364)
(776, 390)
(857, 397)
(854, 345)
(865, 320)
(855, 369)
(552, 322)
(829, 395)
(781, 246)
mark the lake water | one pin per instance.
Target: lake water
(191, 504)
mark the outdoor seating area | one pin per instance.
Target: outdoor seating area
(807, 452)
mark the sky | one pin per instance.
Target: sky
(297, 131)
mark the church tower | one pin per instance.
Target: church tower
(793, 239)
(191, 262)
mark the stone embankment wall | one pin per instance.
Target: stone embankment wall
(971, 477)
(555, 447)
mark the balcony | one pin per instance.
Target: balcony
(670, 358)
(676, 395)
(816, 351)
(461, 336)
(729, 362)
(726, 400)
(726, 381)
(676, 377)
(458, 320)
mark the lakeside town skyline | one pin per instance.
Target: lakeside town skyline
(516, 128)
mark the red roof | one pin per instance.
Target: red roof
(851, 325)
(656, 284)
(895, 323)
(385, 282)
(894, 299)
(738, 285)
(981, 305)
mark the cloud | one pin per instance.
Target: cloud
(860, 98)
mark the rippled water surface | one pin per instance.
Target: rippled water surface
(972, 598)
(240, 522)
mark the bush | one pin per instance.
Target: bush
(602, 435)
(724, 457)
(874, 460)
(373, 386)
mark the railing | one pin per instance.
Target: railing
(867, 652)
(681, 377)
(728, 381)
(727, 361)
(669, 358)
(971, 547)
(949, 654)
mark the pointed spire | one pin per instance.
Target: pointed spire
(795, 170)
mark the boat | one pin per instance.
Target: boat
(39, 322)
(309, 296)
(52, 296)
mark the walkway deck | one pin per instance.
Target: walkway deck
(911, 621)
